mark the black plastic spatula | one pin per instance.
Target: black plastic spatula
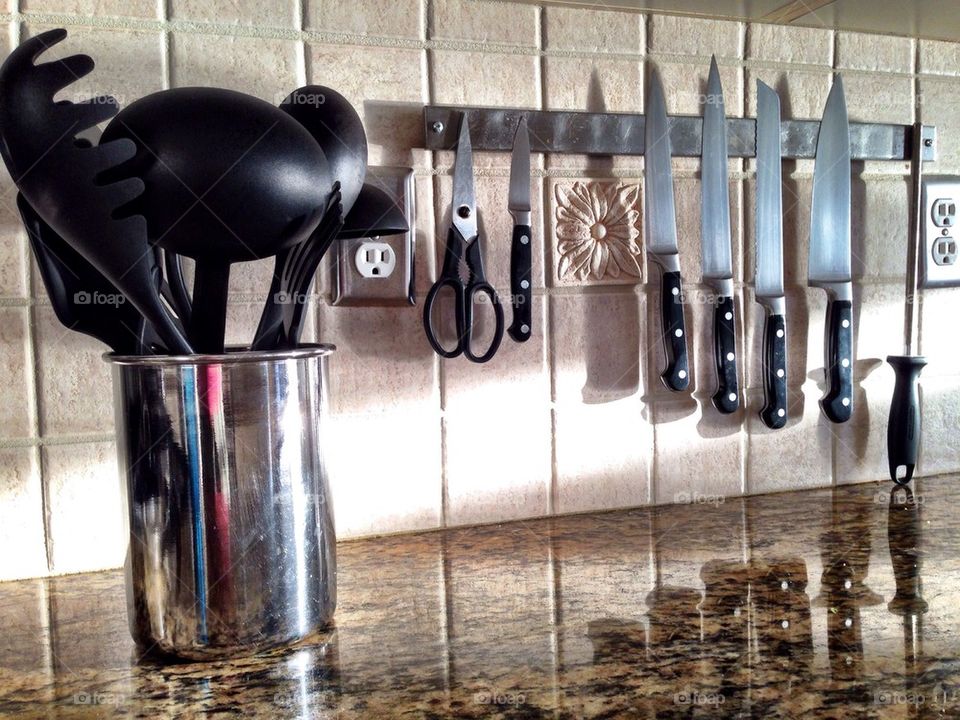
(82, 298)
(63, 180)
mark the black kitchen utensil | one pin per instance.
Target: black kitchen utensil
(82, 298)
(335, 126)
(63, 181)
(228, 177)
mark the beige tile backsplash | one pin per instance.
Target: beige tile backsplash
(574, 420)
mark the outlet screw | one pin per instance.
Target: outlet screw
(437, 127)
(928, 142)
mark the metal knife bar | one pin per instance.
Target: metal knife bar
(588, 133)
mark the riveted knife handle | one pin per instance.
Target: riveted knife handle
(727, 397)
(521, 293)
(774, 412)
(837, 403)
(903, 429)
(676, 376)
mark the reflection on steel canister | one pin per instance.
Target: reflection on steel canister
(232, 545)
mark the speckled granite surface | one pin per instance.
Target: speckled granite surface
(819, 604)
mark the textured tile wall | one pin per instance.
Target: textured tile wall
(575, 419)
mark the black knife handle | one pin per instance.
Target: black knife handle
(774, 412)
(837, 403)
(521, 292)
(727, 397)
(676, 376)
(903, 429)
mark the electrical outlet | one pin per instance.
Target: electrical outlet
(940, 265)
(379, 271)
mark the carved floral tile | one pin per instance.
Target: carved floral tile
(597, 233)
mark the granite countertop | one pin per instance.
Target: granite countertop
(816, 604)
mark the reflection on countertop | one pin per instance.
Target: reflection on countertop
(815, 604)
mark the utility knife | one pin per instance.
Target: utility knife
(520, 255)
(768, 280)
(716, 255)
(661, 235)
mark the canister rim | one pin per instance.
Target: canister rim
(232, 356)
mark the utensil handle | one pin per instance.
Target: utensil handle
(837, 403)
(209, 314)
(903, 428)
(521, 291)
(676, 376)
(774, 412)
(727, 397)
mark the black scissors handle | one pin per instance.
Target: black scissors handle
(428, 316)
(464, 298)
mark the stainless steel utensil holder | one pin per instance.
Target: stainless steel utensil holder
(231, 538)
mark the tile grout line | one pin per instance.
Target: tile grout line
(426, 13)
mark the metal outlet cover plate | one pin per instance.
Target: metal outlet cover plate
(349, 286)
(940, 266)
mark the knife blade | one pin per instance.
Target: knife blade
(768, 279)
(661, 234)
(716, 254)
(518, 204)
(829, 261)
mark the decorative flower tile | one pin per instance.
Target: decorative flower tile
(597, 233)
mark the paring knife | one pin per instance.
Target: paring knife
(769, 269)
(716, 256)
(520, 255)
(661, 234)
(829, 265)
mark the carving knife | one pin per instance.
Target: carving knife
(768, 280)
(829, 263)
(520, 256)
(716, 255)
(661, 234)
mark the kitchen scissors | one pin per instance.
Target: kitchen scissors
(464, 247)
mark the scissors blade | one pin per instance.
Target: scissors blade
(464, 203)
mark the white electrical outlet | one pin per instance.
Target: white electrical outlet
(379, 271)
(941, 250)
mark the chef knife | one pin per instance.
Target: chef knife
(768, 280)
(716, 255)
(829, 263)
(520, 256)
(661, 234)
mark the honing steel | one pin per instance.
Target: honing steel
(768, 280)
(64, 181)
(661, 232)
(903, 428)
(464, 250)
(228, 177)
(829, 265)
(716, 255)
(520, 254)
